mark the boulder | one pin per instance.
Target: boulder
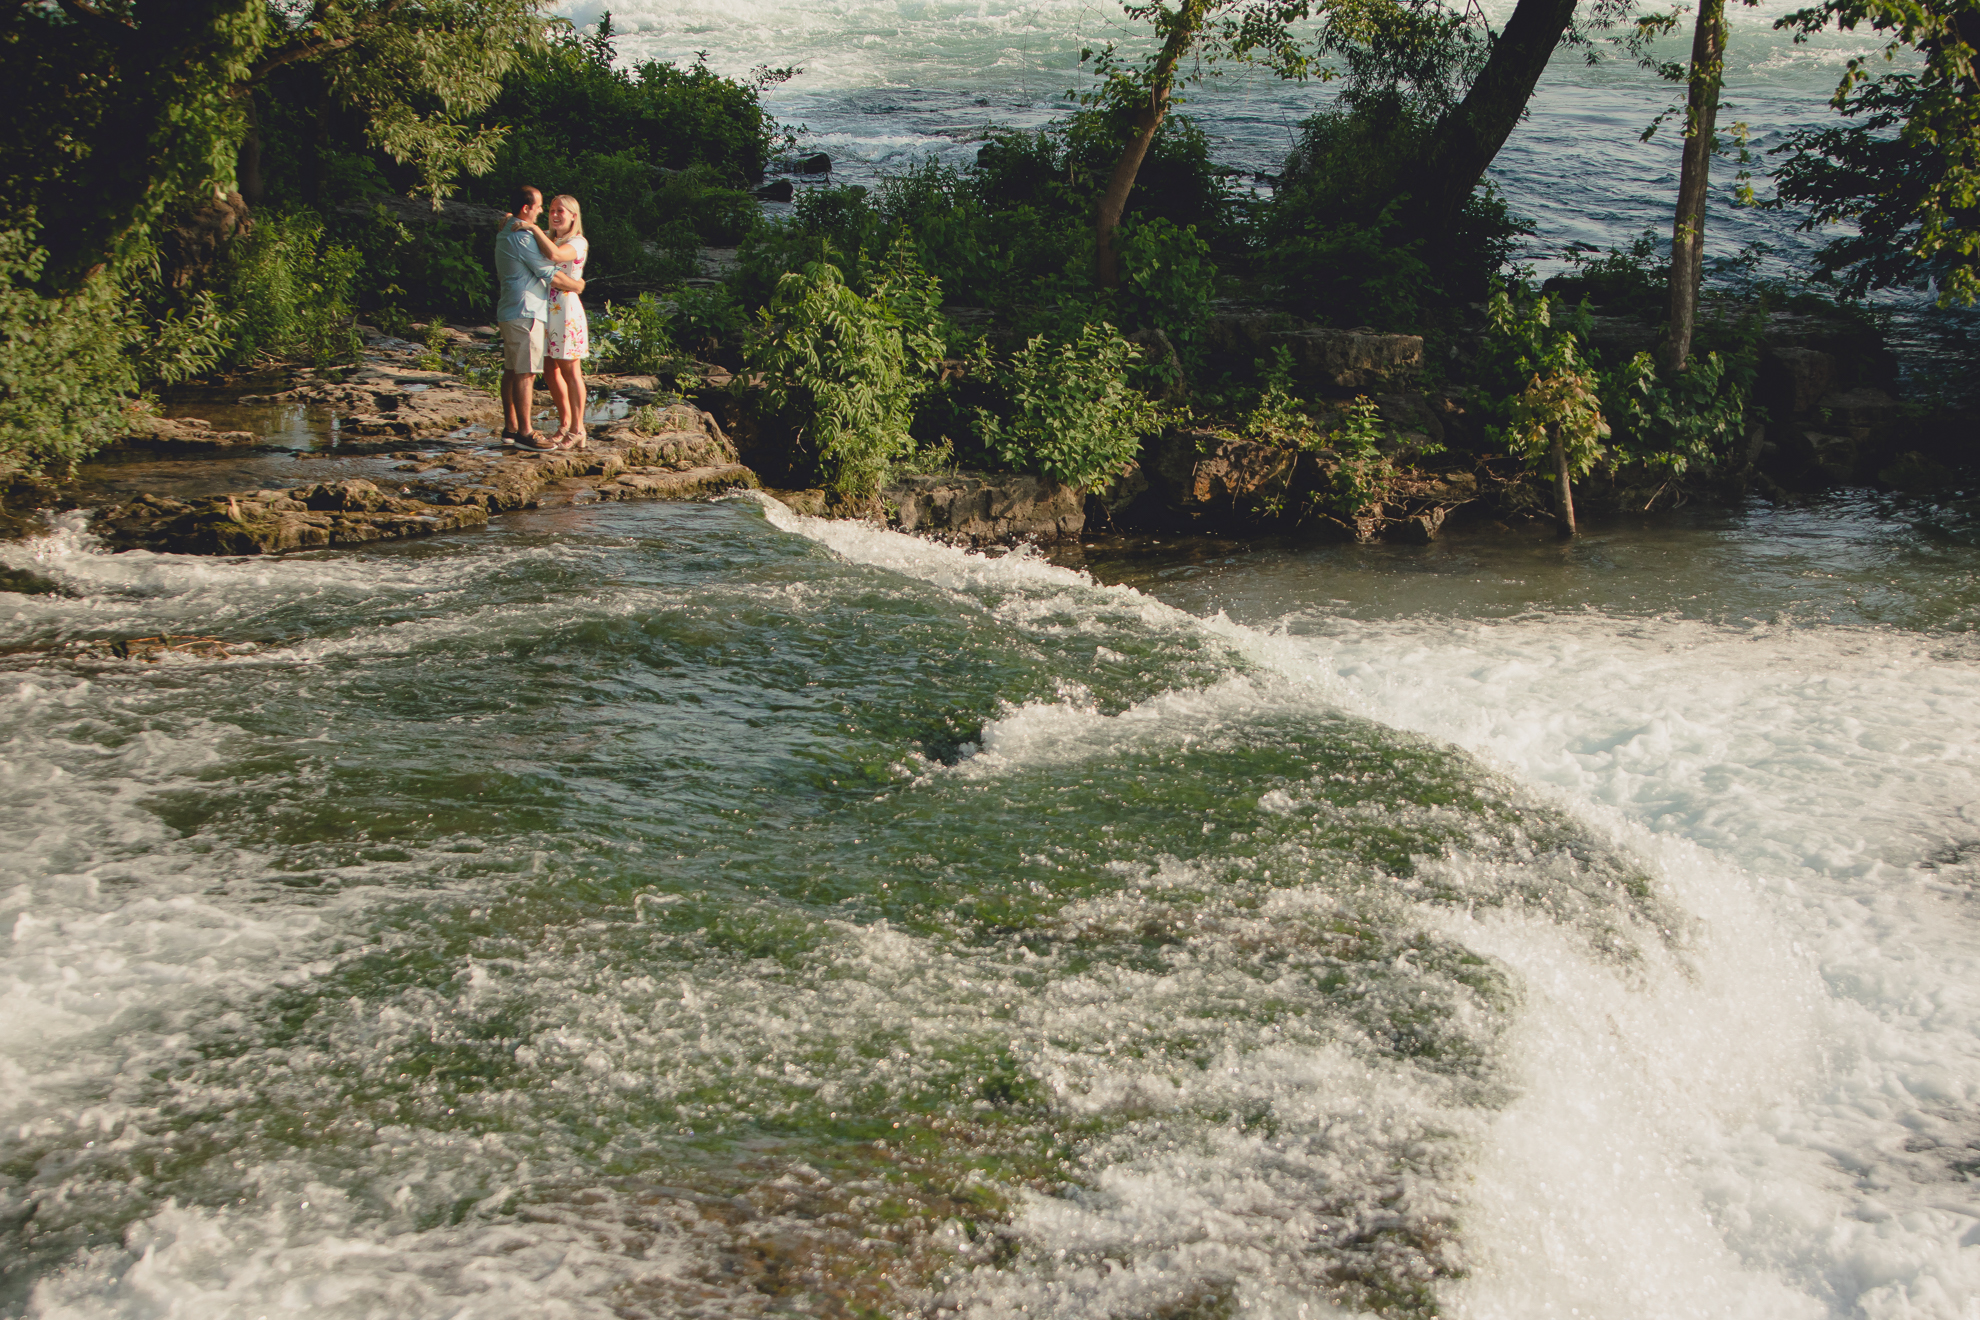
(1115, 504)
(987, 509)
(270, 522)
(357, 496)
(1214, 478)
(1360, 361)
(1793, 380)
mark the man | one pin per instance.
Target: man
(522, 309)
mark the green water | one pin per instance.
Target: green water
(653, 911)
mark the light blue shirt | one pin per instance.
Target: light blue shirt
(522, 277)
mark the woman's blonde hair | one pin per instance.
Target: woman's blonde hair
(577, 215)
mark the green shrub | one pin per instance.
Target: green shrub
(1167, 281)
(1070, 410)
(1636, 282)
(65, 376)
(637, 338)
(291, 292)
(1361, 474)
(1674, 424)
(420, 272)
(846, 370)
(1546, 393)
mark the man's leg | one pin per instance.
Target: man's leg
(510, 419)
(525, 403)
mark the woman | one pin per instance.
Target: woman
(567, 339)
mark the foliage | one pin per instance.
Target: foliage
(1167, 281)
(416, 75)
(1361, 473)
(64, 374)
(846, 370)
(567, 97)
(435, 341)
(1905, 172)
(1674, 424)
(133, 109)
(176, 343)
(637, 338)
(430, 269)
(1071, 412)
(1279, 414)
(1423, 54)
(1337, 227)
(291, 290)
(1555, 394)
(1636, 281)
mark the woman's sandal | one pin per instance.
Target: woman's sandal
(570, 440)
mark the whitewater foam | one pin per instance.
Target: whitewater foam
(1770, 1121)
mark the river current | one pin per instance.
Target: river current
(705, 910)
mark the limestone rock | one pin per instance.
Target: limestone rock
(1793, 380)
(1340, 362)
(182, 432)
(270, 522)
(1359, 361)
(987, 509)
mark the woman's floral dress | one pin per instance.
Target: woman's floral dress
(567, 337)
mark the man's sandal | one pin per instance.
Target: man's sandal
(535, 440)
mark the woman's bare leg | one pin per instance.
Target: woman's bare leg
(574, 386)
(553, 380)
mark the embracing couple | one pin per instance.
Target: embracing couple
(541, 273)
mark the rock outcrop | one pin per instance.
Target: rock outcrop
(672, 452)
(272, 521)
(181, 433)
(1330, 361)
(987, 508)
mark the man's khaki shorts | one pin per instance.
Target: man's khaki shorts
(522, 347)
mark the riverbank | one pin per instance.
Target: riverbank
(403, 445)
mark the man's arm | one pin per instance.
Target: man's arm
(538, 264)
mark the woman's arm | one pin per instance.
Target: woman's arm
(566, 284)
(546, 244)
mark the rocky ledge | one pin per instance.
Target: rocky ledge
(675, 452)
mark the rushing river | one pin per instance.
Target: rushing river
(706, 910)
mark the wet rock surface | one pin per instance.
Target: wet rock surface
(182, 433)
(458, 475)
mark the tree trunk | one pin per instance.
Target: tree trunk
(247, 163)
(1469, 137)
(1563, 489)
(1701, 114)
(1147, 119)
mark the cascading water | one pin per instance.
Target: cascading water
(705, 910)
(709, 910)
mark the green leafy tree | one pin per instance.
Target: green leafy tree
(1905, 171)
(1551, 417)
(64, 374)
(131, 108)
(1195, 35)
